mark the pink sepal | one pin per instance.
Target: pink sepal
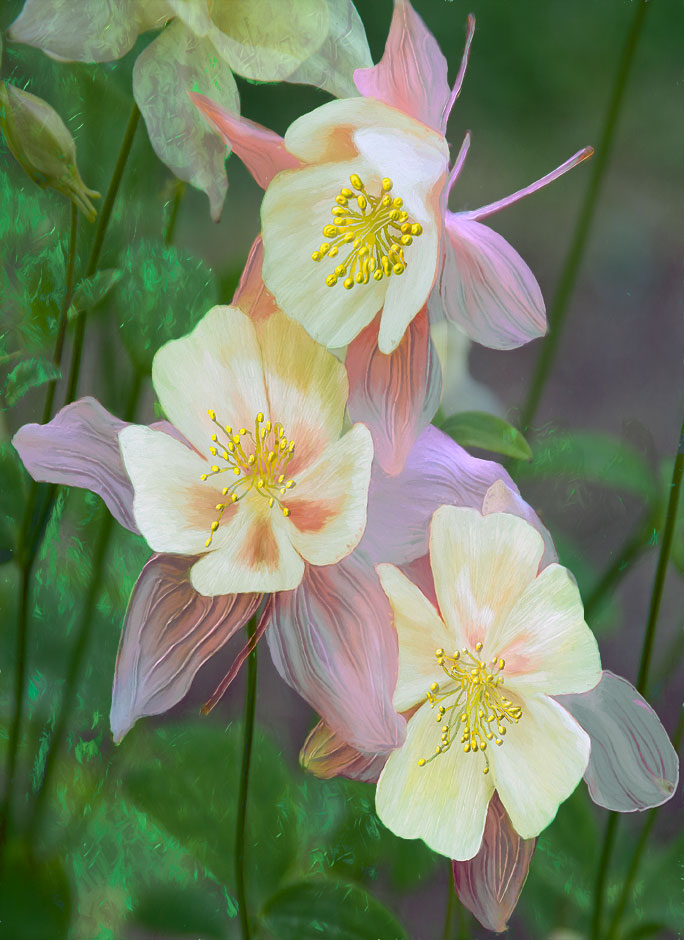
(489, 884)
(261, 150)
(412, 74)
(252, 295)
(239, 660)
(395, 395)
(169, 632)
(326, 755)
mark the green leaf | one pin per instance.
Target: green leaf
(479, 429)
(677, 550)
(174, 910)
(324, 909)
(27, 375)
(162, 296)
(35, 899)
(12, 493)
(91, 290)
(592, 457)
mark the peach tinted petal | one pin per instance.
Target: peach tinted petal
(217, 366)
(252, 295)
(261, 150)
(306, 387)
(481, 565)
(396, 395)
(501, 498)
(544, 640)
(328, 503)
(539, 764)
(420, 632)
(412, 74)
(325, 755)
(487, 289)
(169, 632)
(443, 803)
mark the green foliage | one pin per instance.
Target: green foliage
(162, 295)
(323, 909)
(677, 551)
(35, 896)
(12, 495)
(177, 910)
(27, 375)
(488, 432)
(92, 290)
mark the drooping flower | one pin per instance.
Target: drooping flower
(354, 216)
(202, 43)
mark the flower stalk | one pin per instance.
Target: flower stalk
(247, 741)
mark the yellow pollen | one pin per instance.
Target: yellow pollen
(474, 702)
(377, 231)
(263, 470)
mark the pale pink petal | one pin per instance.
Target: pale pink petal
(444, 802)
(487, 289)
(325, 755)
(80, 447)
(489, 884)
(437, 472)
(169, 632)
(501, 498)
(176, 62)
(252, 295)
(396, 395)
(328, 503)
(541, 761)
(261, 150)
(633, 765)
(412, 74)
(544, 641)
(332, 641)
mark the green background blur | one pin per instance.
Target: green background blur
(137, 841)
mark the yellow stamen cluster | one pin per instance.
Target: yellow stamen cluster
(476, 703)
(262, 470)
(377, 230)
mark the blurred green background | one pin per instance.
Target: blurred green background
(137, 840)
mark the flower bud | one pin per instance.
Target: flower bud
(43, 145)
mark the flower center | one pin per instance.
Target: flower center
(475, 703)
(377, 230)
(262, 469)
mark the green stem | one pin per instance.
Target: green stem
(248, 737)
(601, 874)
(63, 313)
(559, 308)
(449, 914)
(635, 545)
(98, 240)
(80, 647)
(663, 561)
(463, 922)
(179, 191)
(640, 846)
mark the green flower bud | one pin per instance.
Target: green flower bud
(43, 145)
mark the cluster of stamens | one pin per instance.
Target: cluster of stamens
(475, 704)
(262, 470)
(377, 231)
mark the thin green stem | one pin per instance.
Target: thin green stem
(63, 313)
(179, 192)
(602, 874)
(463, 921)
(449, 914)
(248, 737)
(635, 546)
(98, 240)
(83, 633)
(559, 308)
(663, 561)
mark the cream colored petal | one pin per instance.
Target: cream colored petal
(420, 632)
(481, 565)
(296, 206)
(306, 385)
(328, 504)
(445, 802)
(545, 642)
(251, 551)
(172, 507)
(540, 763)
(218, 366)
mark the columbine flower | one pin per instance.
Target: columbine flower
(481, 671)
(356, 221)
(319, 42)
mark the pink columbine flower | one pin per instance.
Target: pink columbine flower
(355, 218)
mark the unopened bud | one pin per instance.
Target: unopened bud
(43, 145)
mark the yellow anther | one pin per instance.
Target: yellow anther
(478, 647)
(387, 184)
(422, 762)
(434, 687)
(203, 477)
(356, 181)
(486, 770)
(212, 414)
(286, 511)
(214, 526)
(439, 652)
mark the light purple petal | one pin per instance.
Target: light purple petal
(501, 498)
(412, 74)
(395, 395)
(332, 640)
(489, 884)
(486, 288)
(79, 447)
(633, 765)
(325, 755)
(437, 472)
(169, 632)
